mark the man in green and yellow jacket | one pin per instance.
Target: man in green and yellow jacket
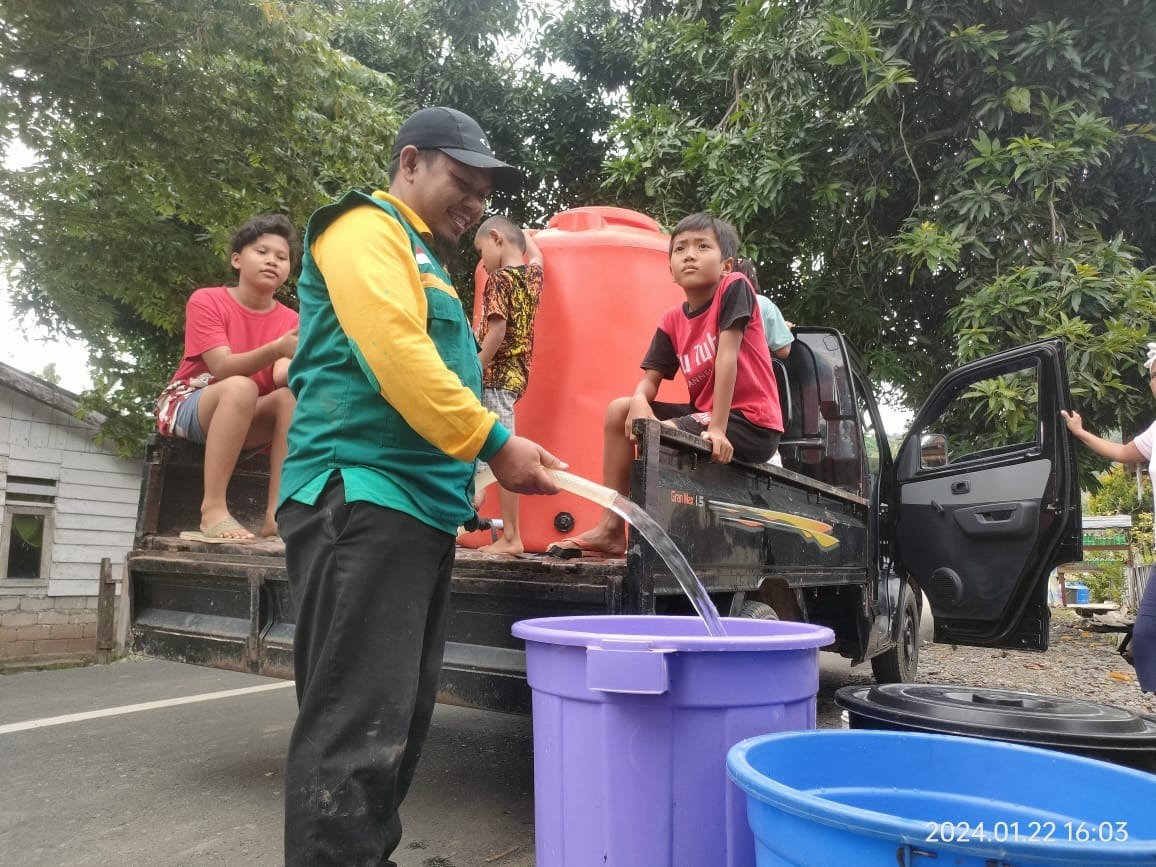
(378, 477)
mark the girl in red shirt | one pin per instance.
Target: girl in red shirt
(230, 390)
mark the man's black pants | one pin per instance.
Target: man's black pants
(371, 587)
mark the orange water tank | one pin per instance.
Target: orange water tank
(607, 282)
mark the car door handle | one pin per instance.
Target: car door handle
(996, 517)
(960, 487)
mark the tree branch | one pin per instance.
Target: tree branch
(910, 161)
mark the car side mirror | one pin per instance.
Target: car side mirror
(932, 451)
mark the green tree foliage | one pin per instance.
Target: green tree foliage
(888, 163)
(992, 415)
(491, 59)
(159, 127)
(1142, 538)
(1116, 493)
(937, 179)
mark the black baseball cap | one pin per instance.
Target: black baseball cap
(457, 135)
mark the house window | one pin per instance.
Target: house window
(26, 531)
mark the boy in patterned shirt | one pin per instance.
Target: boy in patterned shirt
(506, 334)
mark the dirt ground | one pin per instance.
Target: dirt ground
(1077, 664)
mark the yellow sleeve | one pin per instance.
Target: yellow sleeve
(367, 261)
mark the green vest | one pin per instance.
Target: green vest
(342, 422)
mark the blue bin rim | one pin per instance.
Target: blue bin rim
(914, 831)
(671, 632)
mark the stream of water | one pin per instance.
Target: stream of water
(664, 546)
(650, 530)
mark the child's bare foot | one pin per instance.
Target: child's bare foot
(269, 528)
(504, 546)
(598, 542)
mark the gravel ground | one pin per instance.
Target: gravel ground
(1078, 664)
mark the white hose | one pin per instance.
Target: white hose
(588, 490)
(595, 493)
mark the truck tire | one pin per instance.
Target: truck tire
(758, 611)
(900, 664)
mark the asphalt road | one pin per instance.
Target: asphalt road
(144, 762)
(200, 783)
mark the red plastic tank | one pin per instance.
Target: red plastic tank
(607, 282)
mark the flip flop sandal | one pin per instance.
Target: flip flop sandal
(580, 549)
(213, 535)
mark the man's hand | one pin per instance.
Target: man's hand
(520, 466)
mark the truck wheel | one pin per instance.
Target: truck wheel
(900, 664)
(758, 611)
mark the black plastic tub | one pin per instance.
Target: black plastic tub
(1099, 731)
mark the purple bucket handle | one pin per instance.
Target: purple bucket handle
(626, 666)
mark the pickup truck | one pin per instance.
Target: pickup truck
(978, 504)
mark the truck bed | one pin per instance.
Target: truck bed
(228, 606)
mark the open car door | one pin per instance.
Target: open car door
(988, 497)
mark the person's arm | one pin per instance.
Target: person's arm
(207, 336)
(522, 466)
(726, 370)
(223, 362)
(644, 394)
(281, 373)
(660, 362)
(1125, 453)
(533, 253)
(377, 294)
(779, 336)
(492, 342)
(498, 301)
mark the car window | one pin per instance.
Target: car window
(989, 417)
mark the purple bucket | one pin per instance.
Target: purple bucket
(633, 718)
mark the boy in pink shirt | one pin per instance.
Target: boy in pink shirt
(230, 390)
(716, 339)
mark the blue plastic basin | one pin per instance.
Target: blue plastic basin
(874, 797)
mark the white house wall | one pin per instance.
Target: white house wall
(96, 491)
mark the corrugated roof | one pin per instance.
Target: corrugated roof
(46, 393)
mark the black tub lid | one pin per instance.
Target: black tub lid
(1000, 714)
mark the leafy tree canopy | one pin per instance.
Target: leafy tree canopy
(1118, 493)
(940, 180)
(490, 59)
(159, 127)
